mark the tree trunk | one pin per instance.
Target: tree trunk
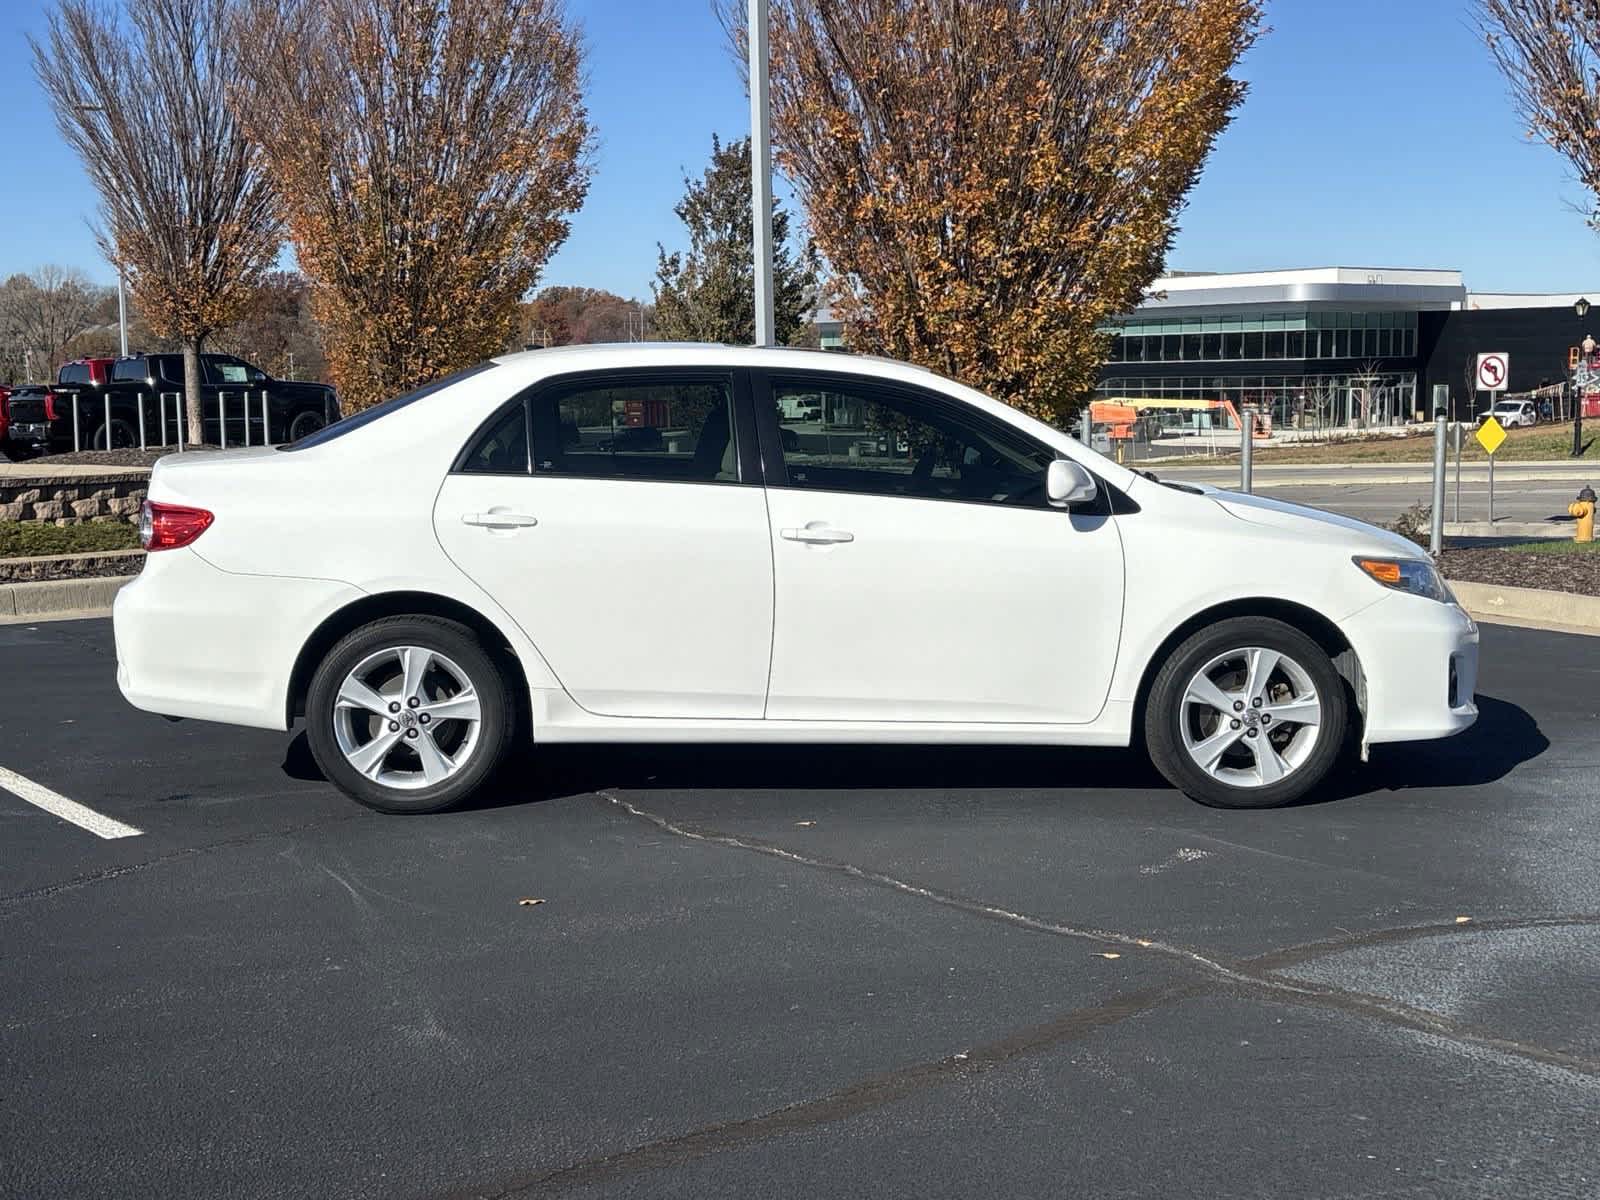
(192, 400)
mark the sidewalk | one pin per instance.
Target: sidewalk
(1289, 475)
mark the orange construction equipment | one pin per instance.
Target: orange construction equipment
(1133, 404)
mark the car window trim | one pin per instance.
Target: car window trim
(747, 456)
(1107, 501)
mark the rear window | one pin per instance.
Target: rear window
(367, 416)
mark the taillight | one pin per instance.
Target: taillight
(169, 526)
(50, 413)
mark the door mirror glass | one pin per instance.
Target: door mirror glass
(1067, 484)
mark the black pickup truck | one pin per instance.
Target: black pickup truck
(236, 397)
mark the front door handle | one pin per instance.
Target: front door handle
(499, 520)
(818, 535)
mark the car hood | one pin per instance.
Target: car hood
(1360, 537)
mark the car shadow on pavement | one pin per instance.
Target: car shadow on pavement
(1504, 737)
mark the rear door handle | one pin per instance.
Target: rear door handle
(818, 535)
(499, 520)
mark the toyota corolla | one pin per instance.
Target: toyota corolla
(606, 544)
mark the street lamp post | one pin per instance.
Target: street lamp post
(1585, 349)
(761, 170)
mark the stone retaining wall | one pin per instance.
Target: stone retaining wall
(70, 566)
(72, 499)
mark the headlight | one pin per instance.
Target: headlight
(1413, 575)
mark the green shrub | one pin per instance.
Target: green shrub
(25, 539)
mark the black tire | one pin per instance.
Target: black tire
(305, 424)
(1166, 713)
(457, 644)
(123, 436)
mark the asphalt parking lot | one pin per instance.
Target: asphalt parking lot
(798, 972)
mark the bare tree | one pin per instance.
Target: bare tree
(42, 312)
(187, 206)
(1549, 52)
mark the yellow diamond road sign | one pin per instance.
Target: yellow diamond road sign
(1490, 434)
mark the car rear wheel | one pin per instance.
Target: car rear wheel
(1249, 713)
(122, 436)
(409, 715)
(304, 425)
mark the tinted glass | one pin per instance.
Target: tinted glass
(74, 374)
(665, 430)
(893, 443)
(502, 449)
(226, 371)
(129, 370)
(378, 411)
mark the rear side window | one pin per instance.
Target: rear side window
(501, 449)
(129, 370)
(378, 411)
(671, 429)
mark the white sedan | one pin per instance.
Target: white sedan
(605, 544)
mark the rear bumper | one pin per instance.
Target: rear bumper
(196, 641)
(1420, 659)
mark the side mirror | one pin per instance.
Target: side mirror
(1067, 484)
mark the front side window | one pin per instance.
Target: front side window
(888, 442)
(128, 370)
(663, 430)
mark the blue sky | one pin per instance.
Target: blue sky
(1376, 133)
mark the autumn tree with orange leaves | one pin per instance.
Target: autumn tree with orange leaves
(992, 180)
(429, 154)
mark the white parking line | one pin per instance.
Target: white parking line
(58, 805)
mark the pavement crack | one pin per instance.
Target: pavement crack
(161, 860)
(1104, 937)
(871, 1093)
(1293, 956)
(1255, 976)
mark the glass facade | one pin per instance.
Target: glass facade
(1265, 337)
(1340, 401)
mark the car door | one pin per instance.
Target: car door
(619, 519)
(920, 574)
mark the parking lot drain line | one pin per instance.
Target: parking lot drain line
(58, 805)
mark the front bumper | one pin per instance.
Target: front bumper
(1420, 660)
(196, 641)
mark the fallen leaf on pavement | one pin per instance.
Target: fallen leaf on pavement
(528, 901)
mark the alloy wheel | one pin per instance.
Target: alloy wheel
(1250, 717)
(407, 717)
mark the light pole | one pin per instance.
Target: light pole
(1585, 349)
(122, 287)
(761, 169)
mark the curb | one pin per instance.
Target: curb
(1538, 530)
(60, 597)
(1568, 612)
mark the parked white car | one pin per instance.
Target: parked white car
(1514, 414)
(493, 557)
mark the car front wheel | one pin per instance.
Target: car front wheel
(1249, 713)
(409, 715)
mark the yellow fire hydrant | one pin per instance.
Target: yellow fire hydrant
(1583, 509)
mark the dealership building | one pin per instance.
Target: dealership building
(1338, 346)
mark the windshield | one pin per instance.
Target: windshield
(367, 416)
